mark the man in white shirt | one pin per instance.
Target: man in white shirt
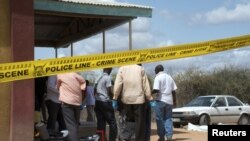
(164, 87)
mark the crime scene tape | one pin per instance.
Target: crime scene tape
(32, 69)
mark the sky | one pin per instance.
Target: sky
(176, 22)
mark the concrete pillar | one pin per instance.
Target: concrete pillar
(16, 44)
(22, 95)
(5, 53)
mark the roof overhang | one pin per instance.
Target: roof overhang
(61, 22)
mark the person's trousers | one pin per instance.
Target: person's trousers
(136, 113)
(126, 128)
(55, 114)
(148, 122)
(105, 113)
(91, 113)
(71, 114)
(164, 122)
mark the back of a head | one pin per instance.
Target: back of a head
(107, 70)
(87, 82)
(159, 68)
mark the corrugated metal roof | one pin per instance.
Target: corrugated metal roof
(106, 3)
(61, 22)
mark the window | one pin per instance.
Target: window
(220, 102)
(201, 101)
(233, 102)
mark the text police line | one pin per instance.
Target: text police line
(32, 69)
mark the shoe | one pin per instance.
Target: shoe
(169, 138)
(160, 139)
(36, 134)
(41, 128)
(65, 133)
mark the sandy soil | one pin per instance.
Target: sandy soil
(181, 134)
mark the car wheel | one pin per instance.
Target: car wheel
(204, 120)
(244, 120)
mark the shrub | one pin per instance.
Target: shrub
(225, 81)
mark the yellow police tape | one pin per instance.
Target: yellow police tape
(31, 69)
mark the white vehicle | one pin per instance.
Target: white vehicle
(212, 109)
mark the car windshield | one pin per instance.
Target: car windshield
(201, 101)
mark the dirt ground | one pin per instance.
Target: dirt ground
(180, 134)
